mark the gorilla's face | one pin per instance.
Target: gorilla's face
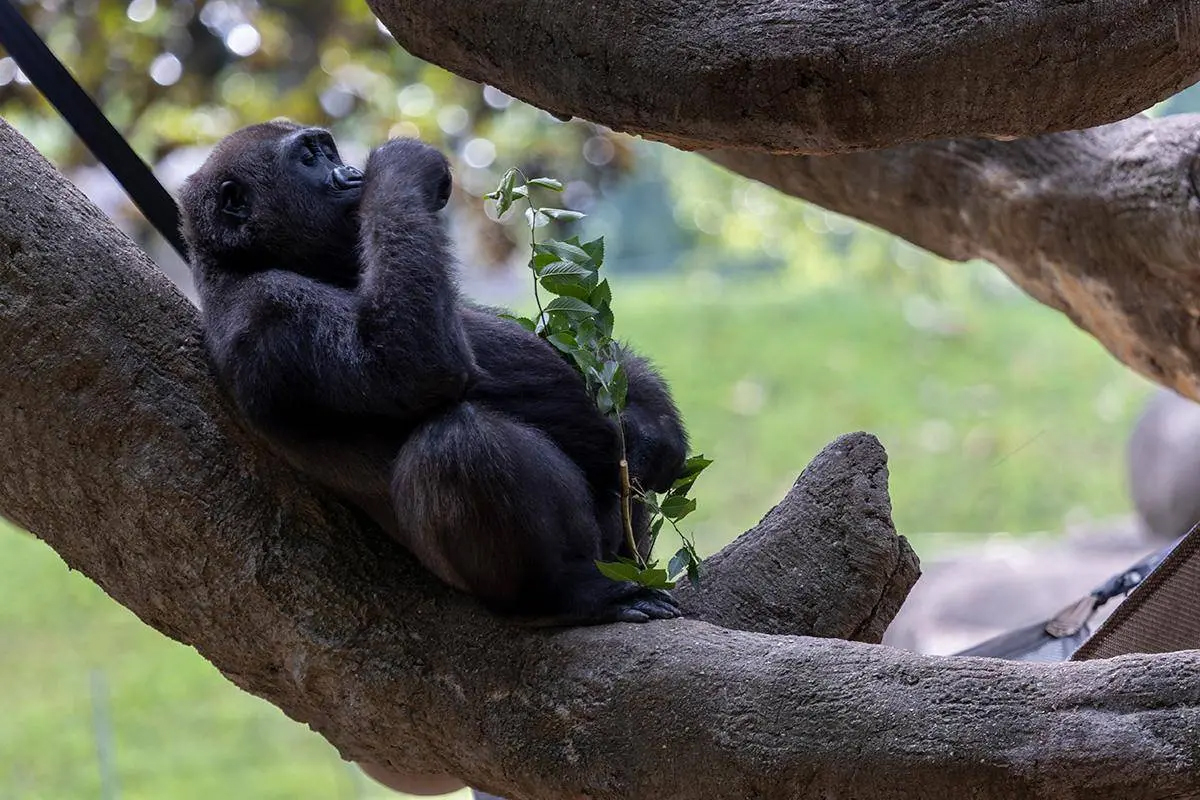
(275, 195)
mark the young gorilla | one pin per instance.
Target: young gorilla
(332, 319)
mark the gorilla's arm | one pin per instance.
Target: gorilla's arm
(409, 312)
(654, 435)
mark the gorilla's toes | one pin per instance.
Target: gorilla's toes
(631, 615)
(647, 604)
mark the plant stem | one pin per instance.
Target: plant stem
(533, 215)
(627, 498)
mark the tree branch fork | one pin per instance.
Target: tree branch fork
(123, 457)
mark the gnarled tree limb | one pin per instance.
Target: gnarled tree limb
(813, 76)
(825, 562)
(1102, 224)
(121, 455)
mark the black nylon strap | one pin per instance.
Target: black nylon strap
(53, 80)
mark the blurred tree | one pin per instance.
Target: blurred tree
(176, 74)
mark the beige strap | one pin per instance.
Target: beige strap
(1161, 615)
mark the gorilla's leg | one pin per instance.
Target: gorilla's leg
(493, 507)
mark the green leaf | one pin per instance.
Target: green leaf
(601, 295)
(557, 323)
(564, 251)
(566, 278)
(504, 192)
(524, 322)
(536, 219)
(539, 260)
(691, 470)
(562, 268)
(693, 573)
(655, 579)
(617, 570)
(679, 562)
(619, 387)
(562, 214)
(676, 508)
(595, 250)
(547, 183)
(622, 570)
(604, 401)
(569, 305)
(567, 286)
(586, 333)
(650, 501)
(508, 181)
(604, 322)
(585, 361)
(563, 341)
(608, 372)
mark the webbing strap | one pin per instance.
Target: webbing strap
(53, 80)
(1161, 615)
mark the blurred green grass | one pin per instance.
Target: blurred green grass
(997, 415)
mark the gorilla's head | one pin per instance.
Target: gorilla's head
(274, 195)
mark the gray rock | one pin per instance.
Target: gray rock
(1163, 465)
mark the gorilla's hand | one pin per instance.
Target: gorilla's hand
(414, 164)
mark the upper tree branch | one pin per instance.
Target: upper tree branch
(814, 75)
(1102, 224)
(120, 453)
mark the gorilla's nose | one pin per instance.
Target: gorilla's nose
(346, 177)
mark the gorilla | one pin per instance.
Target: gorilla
(332, 319)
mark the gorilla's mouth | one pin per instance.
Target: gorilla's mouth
(345, 177)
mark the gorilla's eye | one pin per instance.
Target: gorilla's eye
(318, 146)
(232, 200)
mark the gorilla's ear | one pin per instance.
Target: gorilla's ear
(232, 201)
(443, 191)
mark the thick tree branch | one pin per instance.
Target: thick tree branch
(815, 76)
(124, 458)
(1102, 224)
(825, 562)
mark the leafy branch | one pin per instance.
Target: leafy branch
(578, 322)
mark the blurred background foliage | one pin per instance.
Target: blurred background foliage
(780, 325)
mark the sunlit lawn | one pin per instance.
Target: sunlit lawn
(1012, 423)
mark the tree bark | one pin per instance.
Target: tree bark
(121, 454)
(815, 76)
(1100, 224)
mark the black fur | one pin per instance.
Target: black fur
(331, 317)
